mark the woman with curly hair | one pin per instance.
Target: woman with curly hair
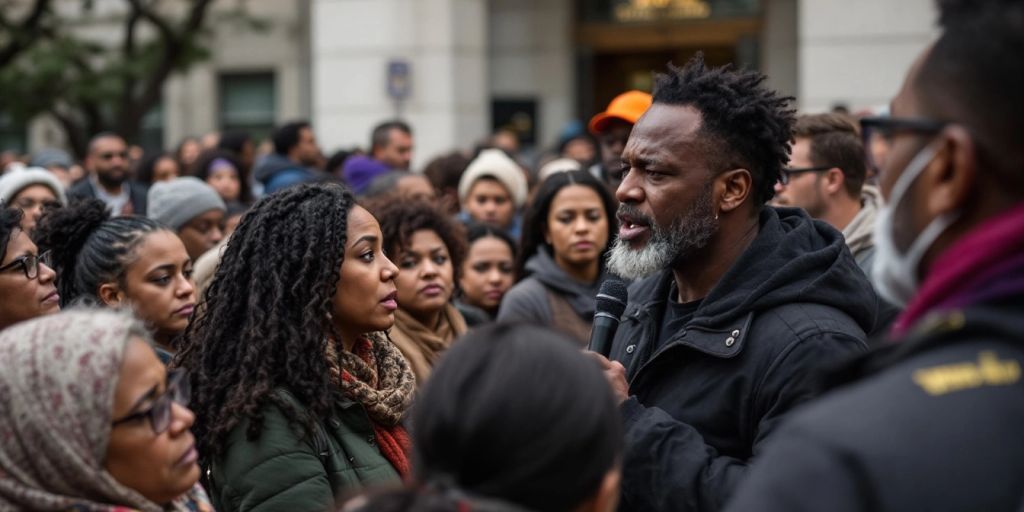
(428, 248)
(566, 234)
(121, 262)
(298, 392)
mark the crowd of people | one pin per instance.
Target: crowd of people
(824, 310)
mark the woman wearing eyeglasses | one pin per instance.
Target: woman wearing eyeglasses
(27, 287)
(121, 262)
(92, 421)
(299, 393)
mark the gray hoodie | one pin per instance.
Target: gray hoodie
(527, 301)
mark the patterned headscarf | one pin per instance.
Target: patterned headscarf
(56, 403)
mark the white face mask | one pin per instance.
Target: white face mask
(894, 274)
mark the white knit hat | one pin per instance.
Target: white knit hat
(494, 163)
(558, 165)
(15, 181)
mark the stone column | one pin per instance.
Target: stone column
(445, 44)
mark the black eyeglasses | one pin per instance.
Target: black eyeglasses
(30, 264)
(787, 172)
(883, 130)
(159, 414)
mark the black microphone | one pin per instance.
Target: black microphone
(611, 303)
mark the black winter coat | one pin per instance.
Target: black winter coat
(702, 405)
(931, 423)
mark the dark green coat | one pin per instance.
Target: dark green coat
(281, 470)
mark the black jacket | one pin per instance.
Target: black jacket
(137, 192)
(703, 404)
(931, 423)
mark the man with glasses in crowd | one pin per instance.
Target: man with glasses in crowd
(932, 420)
(825, 177)
(108, 177)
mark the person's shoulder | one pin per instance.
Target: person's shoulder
(81, 188)
(941, 386)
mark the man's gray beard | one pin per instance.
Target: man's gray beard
(687, 234)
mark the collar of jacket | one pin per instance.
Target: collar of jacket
(724, 341)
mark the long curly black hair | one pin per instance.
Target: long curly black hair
(748, 124)
(267, 313)
(90, 247)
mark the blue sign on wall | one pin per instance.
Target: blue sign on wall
(399, 79)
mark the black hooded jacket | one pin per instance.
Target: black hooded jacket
(702, 403)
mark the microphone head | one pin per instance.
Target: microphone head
(612, 297)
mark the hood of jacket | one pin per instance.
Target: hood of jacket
(272, 164)
(581, 296)
(793, 259)
(860, 232)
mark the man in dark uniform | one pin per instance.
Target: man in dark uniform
(933, 420)
(743, 301)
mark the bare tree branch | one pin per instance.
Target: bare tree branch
(174, 46)
(24, 33)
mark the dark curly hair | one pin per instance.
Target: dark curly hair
(267, 315)
(89, 247)
(202, 166)
(399, 220)
(535, 220)
(10, 219)
(746, 124)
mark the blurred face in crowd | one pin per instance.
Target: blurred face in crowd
(202, 233)
(397, 154)
(613, 142)
(416, 187)
(365, 299)
(804, 189)
(580, 149)
(487, 273)
(577, 228)
(189, 151)
(32, 201)
(165, 169)
(108, 159)
(223, 177)
(490, 202)
(666, 211)
(306, 151)
(426, 281)
(157, 285)
(22, 297)
(163, 465)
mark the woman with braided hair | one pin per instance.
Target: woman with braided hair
(298, 392)
(121, 262)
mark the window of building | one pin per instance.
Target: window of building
(248, 103)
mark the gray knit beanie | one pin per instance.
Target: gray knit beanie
(173, 203)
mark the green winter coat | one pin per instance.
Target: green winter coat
(281, 470)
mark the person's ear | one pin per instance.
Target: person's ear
(110, 295)
(607, 497)
(834, 181)
(951, 175)
(732, 188)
